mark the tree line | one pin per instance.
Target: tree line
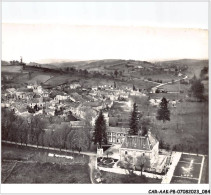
(33, 131)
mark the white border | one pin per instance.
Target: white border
(104, 188)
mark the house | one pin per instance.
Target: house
(77, 124)
(166, 70)
(116, 135)
(61, 97)
(139, 146)
(20, 95)
(75, 85)
(11, 91)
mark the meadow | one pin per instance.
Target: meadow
(35, 166)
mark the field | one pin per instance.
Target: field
(11, 69)
(35, 166)
(36, 172)
(175, 87)
(165, 77)
(188, 123)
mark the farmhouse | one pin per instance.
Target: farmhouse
(139, 146)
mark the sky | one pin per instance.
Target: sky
(104, 30)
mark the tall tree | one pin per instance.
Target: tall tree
(163, 112)
(134, 88)
(145, 124)
(134, 121)
(197, 89)
(114, 84)
(99, 135)
(116, 73)
(141, 161)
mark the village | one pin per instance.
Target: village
(64, 118)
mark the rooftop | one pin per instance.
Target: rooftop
(140, 142)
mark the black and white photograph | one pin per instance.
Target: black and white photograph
(104, 93)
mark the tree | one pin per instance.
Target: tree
(163, 112)
(197, 89)
(79, 139)
(204, 71)
(108, 153)
(141, 161)
(99, 135)
(145, 124)
(37, 127)
(116, 73)
(134, 121)
(114, 84)
(134, 88)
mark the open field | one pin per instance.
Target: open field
(36, 172)
(11, 69)
(188, 123)
(35, 166)
(176, 87)
(165, 77)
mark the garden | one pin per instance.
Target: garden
(106, 162)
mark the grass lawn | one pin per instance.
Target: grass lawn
(188, 123)
(114, 178)
(183, 166)
(188, 158)
(175, 87)
(5, 169)
(183, 180)
(37, 172)
(35, 166)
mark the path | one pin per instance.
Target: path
(92, 166)
(49, 148)
(200, 174)
(125, 172)
(175, 159)
(162, 84)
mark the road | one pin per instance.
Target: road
(162, 84)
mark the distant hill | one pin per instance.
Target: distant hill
(194, 66)
(110, 65)
(4, 63)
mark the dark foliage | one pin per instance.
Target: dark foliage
(197, 89)
(163, 112)
(134, 121)
(99, 135)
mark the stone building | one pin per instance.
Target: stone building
(138, 146)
